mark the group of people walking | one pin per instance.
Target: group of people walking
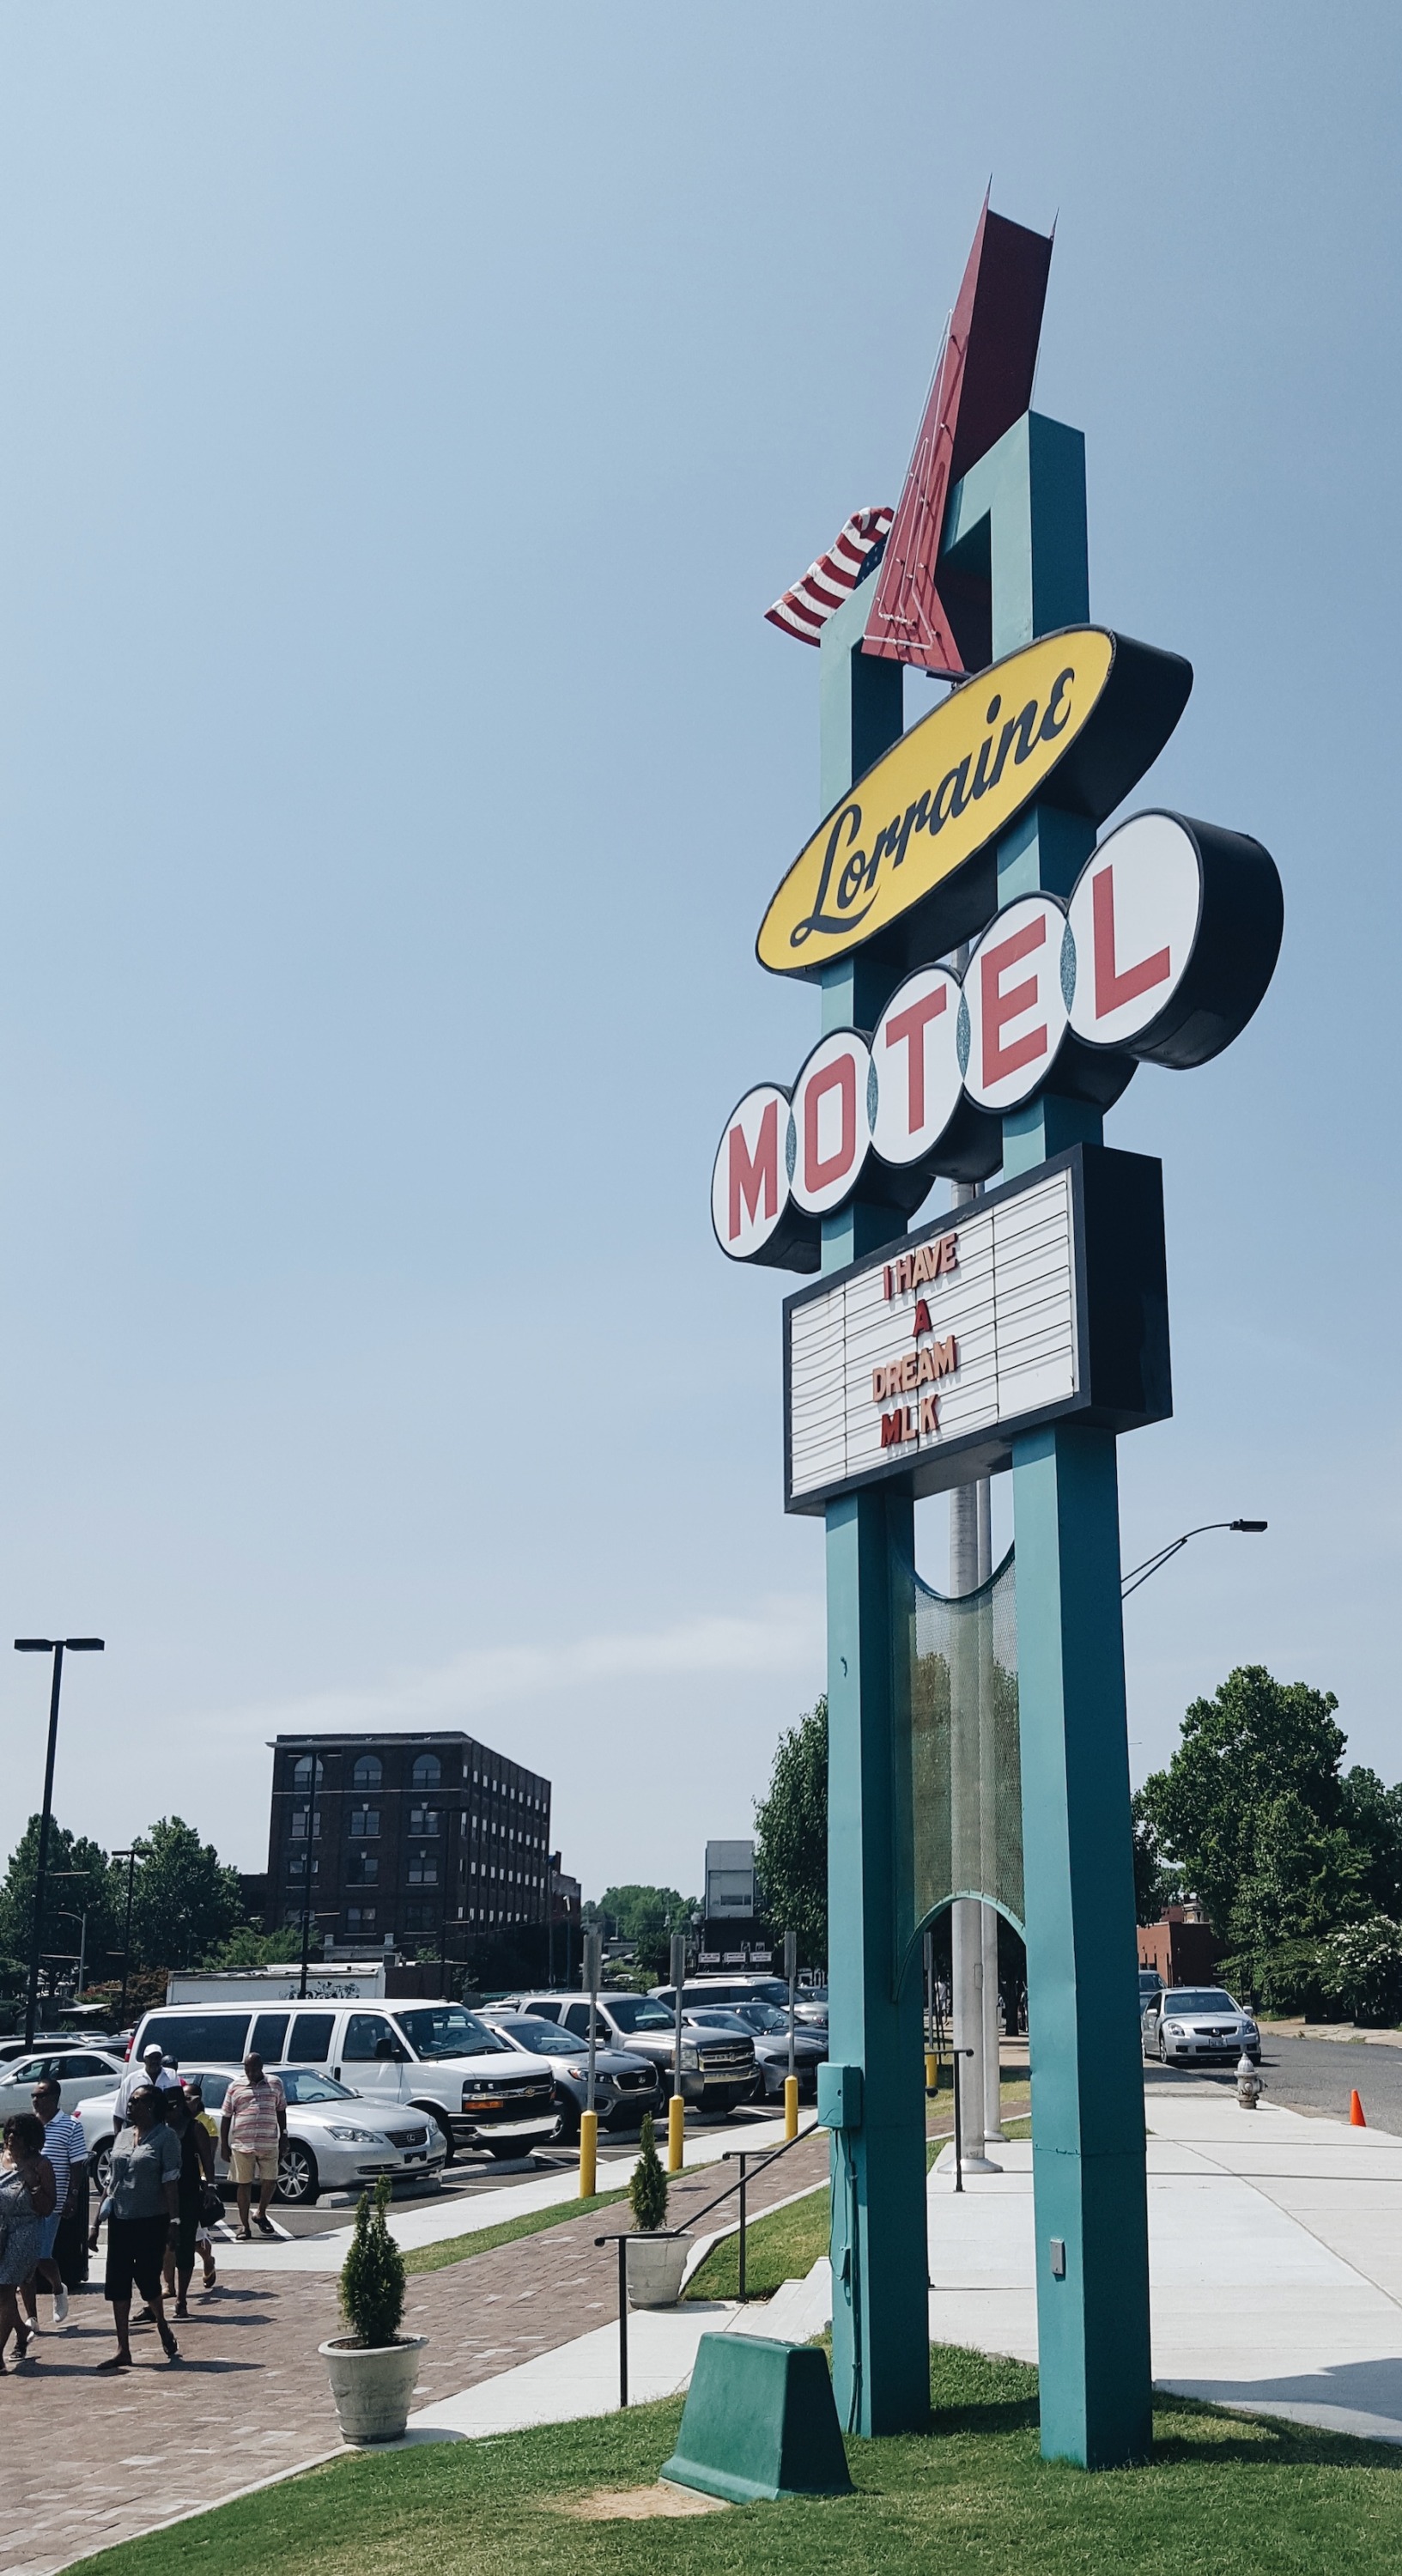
(158, 2206)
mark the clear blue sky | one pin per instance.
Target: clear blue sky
(406, 414)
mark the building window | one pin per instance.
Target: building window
(297, 1865)
(368, 1773)
(364, 1824)
(306, 1776)
(423, 1869)
(306, 1823)
(424, 1820)
(419, 1918)
(359, 1918)
(362, 1869)
(428, 1771)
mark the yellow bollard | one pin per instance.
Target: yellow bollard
(790, 2106)
(676, 2115)
(932, 2071)
(588, 2151)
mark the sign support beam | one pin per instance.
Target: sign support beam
(1022, 511)
(881, 2336)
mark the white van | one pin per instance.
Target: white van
(436, 2056)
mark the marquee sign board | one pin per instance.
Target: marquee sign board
(1072, 720)
(1041, 1300)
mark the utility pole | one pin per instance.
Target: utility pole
(56, 1647)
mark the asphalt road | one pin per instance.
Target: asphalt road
(1319, 2075)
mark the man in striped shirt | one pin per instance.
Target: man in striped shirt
(251, 2133)
(66, 2149)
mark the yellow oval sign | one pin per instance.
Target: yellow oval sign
(1094, 706)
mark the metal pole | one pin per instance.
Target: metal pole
(126, 1951)
(955, 2054)
(622, 2322)
(791, 1972)
(82, 1956)
(676, 2108)
(742, 2227)
(306, 1930)
(593, 1952)
(41, 1868)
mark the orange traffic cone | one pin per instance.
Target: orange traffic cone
(1355, 2112)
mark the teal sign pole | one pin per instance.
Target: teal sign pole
(1018, 518)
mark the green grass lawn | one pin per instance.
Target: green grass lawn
(779, 2247)
(1225, 2496)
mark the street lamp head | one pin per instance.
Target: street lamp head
(70, 1645)
(34, 1645)
(85, 1645)
(1254, 1526)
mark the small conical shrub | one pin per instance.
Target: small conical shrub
(372, 2275)
(648, 2189)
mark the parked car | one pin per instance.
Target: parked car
(78, 2071)
(336, 2140)
(810, 2002)
(433, 2057)
(10, 2049)
(717, 2073)
(1150, 1985)
(769, 2030)
(1189, 2023)
(625, 2085)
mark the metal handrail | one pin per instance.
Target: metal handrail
(621, 2236)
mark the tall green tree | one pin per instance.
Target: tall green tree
(791, 1826)
(186, 1902)
(1262, 1822)
(79, 1879)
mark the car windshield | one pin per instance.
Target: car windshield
(1198, 1999)
(301, 2084)
(545, 2037)
(445, 2030)
(719, 2021)
(761, 2017)
(638, 2012)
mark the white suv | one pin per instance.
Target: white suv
(438, 2057)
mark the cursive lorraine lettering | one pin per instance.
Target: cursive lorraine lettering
(839, 908)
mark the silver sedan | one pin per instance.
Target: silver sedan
(1193, 2025)
(336, 2140)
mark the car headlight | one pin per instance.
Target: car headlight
(581, 2075)
(1174, 2029)
(360, 2137)
(690, 2056)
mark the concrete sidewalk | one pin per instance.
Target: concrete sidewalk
(436, 2222)
(1275, 2256)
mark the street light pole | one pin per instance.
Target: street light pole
(1140, 1573)
(137, 1852)
(55, 1646)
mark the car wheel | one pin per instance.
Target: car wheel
(297, 2181)
(1163, 2052)
(102, 2167)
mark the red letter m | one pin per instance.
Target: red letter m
(892, 1429)
(749, 1173)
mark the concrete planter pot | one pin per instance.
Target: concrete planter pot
(373, 2385)
(655, 2268)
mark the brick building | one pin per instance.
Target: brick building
(406, 1839)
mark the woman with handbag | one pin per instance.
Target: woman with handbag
(196, 2176)
(27, 2198)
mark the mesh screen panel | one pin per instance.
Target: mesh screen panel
(963, 1790)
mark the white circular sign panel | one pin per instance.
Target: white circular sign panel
(750, 1181)
(831, 1114)
(915, 1049)
(1016, 1002)
(1134, 913)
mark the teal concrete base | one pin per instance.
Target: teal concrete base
(759, 2423)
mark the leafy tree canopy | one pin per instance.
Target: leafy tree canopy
(1256, 1814)
(791, 1823)
(186, 1901)
(79, 1879)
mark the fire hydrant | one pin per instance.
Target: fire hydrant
(1249, 2087)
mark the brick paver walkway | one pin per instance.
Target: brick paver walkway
(91, 2461)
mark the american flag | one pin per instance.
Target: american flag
(805, 610)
